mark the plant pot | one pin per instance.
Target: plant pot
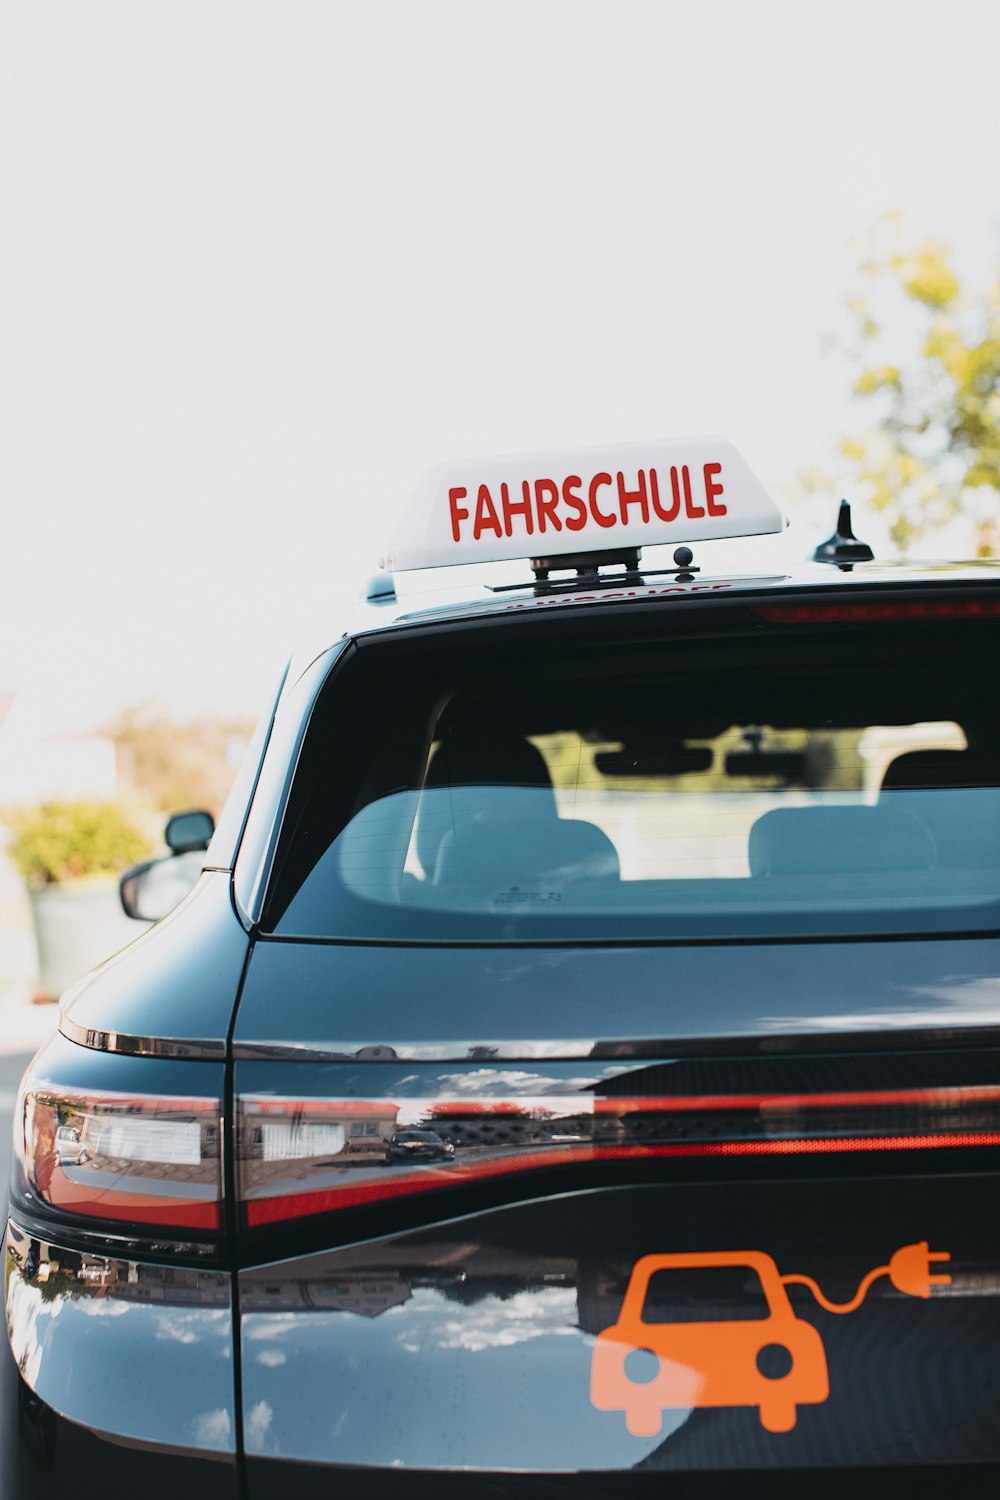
(76, 928)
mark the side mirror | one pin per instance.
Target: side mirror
(150, 890)
(187, 831)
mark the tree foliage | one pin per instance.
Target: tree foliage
(927, 346)
(64, 841)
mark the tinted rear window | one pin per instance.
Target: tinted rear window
(500, 786)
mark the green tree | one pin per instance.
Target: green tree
(927, 347)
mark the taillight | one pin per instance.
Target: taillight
(847, 612)
(142, 1159)
(299, 1157)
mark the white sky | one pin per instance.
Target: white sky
(261, 264)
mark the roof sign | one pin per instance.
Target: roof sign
(591, 499)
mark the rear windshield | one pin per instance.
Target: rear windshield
(505, 786)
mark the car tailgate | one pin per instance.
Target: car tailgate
(799, 1140)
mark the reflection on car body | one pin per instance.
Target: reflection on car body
(414, 1145)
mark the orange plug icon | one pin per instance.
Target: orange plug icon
(775, 1362)
(910, 1270)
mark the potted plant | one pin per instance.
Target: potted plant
(69, 854)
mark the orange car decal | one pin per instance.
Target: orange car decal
(775, 1361)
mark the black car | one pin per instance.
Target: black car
(417, 1145)
(663, 908)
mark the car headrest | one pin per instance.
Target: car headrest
(493, 851)
(935, 769)
(471, 763)
(839, 841)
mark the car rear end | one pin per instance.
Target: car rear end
(675, 918)
(678, 919)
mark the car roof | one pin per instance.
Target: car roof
(519, 595)
(458, 603)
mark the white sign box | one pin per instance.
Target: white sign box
(582, 500)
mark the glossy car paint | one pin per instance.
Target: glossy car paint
(43, 1454)
(122, 1312)
(469, 1344)
(435, 1366)
(343, 1000)
(172, 992)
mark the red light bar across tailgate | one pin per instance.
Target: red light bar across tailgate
(860, 612)
(297, 1205)
(299, 1157)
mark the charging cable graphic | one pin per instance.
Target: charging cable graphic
(909, 1270)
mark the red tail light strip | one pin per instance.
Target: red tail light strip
(619, 1104)
(306, 1156)
(284, 1109)
(297, 1205)
(935, 1098)
(137, 1159)
(842, 612)
(126, 1205)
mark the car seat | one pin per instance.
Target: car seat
(521, 861)
(839, 841)
(955, 794)
(458, 770)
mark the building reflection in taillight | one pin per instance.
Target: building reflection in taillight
(136, 1159)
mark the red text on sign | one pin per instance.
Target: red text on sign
(542, 506)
